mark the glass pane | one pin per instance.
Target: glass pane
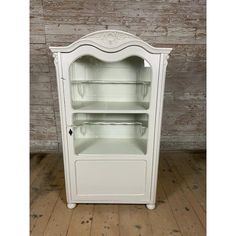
(110, 133)
(96, 84)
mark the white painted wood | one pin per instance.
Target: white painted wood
(61, 96)
(110, 41)
(71, 205)
(111, 87)
(105, 179)
(150, 206)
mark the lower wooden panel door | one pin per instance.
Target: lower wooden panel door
(124, 181)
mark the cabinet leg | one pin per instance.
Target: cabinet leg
(150, 206)
(71, 205)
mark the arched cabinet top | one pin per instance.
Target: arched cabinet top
(110, 41)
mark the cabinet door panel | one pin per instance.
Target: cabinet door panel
(110, 180)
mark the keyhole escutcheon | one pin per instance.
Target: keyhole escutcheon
(70, 132)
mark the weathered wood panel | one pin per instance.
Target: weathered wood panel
(180, 24)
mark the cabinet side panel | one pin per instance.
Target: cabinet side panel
(58, 65)
(158, 121)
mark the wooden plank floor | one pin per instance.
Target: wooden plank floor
(181, 195)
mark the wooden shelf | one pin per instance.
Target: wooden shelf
(110, 146)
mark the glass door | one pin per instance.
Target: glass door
(115, 134)
(99, 85)
(110, 116)
(108, 99)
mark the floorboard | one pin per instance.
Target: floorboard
(180, 211)
(105, 220)
(81, 220)
(134, 220)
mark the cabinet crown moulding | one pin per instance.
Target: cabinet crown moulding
(110, 41)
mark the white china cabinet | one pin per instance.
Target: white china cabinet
(110, 88)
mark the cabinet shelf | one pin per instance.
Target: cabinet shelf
(108, 82)
(128, 107)
(111, 122)
(140, 126)
(110, 146)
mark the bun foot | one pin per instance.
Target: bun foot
(150, 206)
(71, 205)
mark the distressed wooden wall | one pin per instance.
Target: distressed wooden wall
(180, 24)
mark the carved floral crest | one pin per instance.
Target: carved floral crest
(111, 41)
(110, 38)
